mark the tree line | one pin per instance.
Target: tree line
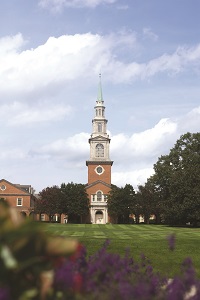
(70, 199)
(171, 194)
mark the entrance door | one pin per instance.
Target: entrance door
(99, 217)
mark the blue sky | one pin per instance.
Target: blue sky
(51, 54)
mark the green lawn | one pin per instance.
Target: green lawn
(150, 240)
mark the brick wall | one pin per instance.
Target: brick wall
(105, 176)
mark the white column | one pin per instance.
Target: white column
(106, 215)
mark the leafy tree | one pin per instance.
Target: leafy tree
(50, 202)
(156, 201)
(76, 202)
(121, 203)
(70, 199)
(145, 199)
(177, 178)
(148, 200)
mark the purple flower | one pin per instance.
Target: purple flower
(175, 289)
(109, 276)
(171, 241)
(4, 293)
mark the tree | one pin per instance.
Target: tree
(50, 202)
(121, 203)
(76, 202)
(145, 200)
(177, 177)
(148, 200)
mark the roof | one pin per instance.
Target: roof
(22, 188)
(97, 182)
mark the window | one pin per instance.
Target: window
(99, 127)
(3, 187)
(99, 150)
(19, 201)
(99, 196)
(93, 197)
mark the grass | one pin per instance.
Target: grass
(150, 240)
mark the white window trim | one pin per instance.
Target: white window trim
(21, 201)
(99, 192)
(3, 187)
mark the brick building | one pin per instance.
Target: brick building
(18, 196)
(99, 164)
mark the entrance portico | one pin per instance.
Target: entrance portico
(99, 215)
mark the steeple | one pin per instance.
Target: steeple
(99, 107)
(99, 137)
(100, 94)
(99, 125)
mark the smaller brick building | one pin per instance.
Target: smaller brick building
(19, 196)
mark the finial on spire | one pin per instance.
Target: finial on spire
(100, 94)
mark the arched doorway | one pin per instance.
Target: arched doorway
(99, 217)
(33, 215)
(23, 214)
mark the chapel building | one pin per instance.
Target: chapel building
(99, 164)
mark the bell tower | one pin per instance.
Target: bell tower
(99, 164)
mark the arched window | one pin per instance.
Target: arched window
(99, 196)
(99, 127)
(99, 150)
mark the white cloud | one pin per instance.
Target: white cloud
(58, 5)
(11, 44)
(72, 149)
(70, 57)
(146, 144)
(60, 59)
(134, 156)
(190, 122)
(135, 178)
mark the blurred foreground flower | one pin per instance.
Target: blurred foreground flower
(28, 256)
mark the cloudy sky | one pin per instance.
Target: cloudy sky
(51, 54)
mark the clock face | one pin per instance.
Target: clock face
(99, 170)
